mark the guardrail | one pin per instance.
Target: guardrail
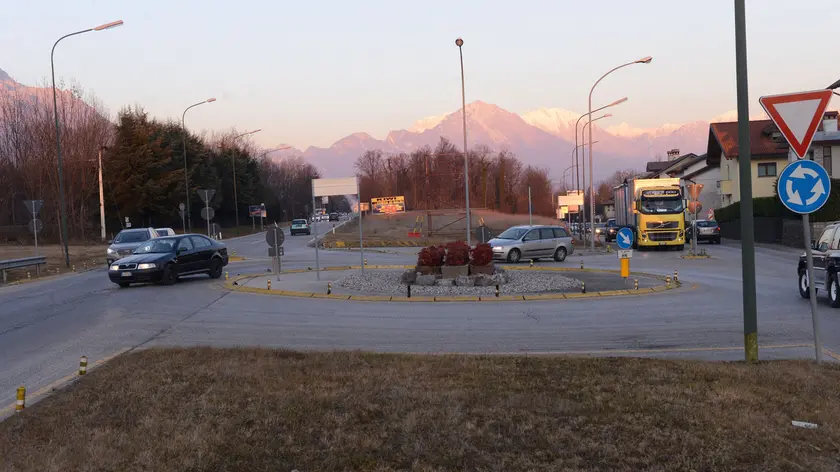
(37, 261)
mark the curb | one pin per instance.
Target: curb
(455, 298)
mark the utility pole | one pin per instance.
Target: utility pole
(101, 199)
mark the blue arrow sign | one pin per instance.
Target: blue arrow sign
(624, 238)
(804, 187)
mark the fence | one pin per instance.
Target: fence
(773, 230)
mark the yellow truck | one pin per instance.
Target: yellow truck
(654, 209)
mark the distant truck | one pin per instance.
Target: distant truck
(654, 209)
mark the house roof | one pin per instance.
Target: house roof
(657, 166)
(685, 162)
(723, 139)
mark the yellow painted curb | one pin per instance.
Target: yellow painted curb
(460, 298)
(413, 299)
(642, 290)
(500, 298)
(371, 298)
(696, 257)
(335, 296)
(544, 296)
(610, 293)
(235, 259)
(581, 295)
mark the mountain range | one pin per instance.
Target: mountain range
(542, 137)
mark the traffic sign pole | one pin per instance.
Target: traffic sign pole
(315, 230)
(812, 291)
(745, 186)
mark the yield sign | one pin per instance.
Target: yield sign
(797, 115)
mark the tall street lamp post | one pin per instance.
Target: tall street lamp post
(233, 163)
(186, 172)
(460, 42)
(576, 166)
(644, 60)
(583, 176)
(61, 202)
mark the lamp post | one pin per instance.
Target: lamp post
(186, 172)
(101, 197)
(61, 202)
(233, 164)
(577, 174)
(644, 60)
(583, 176)
(460, 42)
(576, 165)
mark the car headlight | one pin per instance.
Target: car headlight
(111, 251)
(498, 248)
(146, 266)
(598, 230)
(114, 267)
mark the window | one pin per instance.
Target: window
(826, 238)
(835, 244)
(200, 242)
(560, 233)
(532, 235)
(826, 163)
(766, 169)
(185, 245)
(546, 233)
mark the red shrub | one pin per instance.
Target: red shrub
(431, 256)
(457, 253)
(482, 254)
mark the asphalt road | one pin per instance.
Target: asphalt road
(46, 326)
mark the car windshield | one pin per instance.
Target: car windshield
(155, 246)
(662, 205)
(707, 224)
(512, 233)
(298, 222)
(611, 223)
(131, 237)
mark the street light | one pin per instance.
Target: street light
(577, 167)
(583, 171)
(460, 42)
(62, 204)
(233, 164)
(186, 173)
(644, 60)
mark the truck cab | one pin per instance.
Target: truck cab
(654, 209)
(826, 254)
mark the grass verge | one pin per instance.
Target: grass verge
(258, 409)
(79, 255)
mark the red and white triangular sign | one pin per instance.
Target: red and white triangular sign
(797, 115)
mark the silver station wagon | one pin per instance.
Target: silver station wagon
(532, 242)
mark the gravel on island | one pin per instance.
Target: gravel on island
(387, 282)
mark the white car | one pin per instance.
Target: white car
(165, 231)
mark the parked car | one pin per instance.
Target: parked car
(611, 230)
(127, 241)
(707, 230)
(532, 242)
(600, 229)
(826, 257)
(333, 216)
(165, 232)
(300, 226)
(163, 260)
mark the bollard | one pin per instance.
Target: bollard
(226, 275)
(366, 261)
(497, 290)
(83, 365)
(532, 263)
(74, 267)
(28, 275)
(309, 268)
(635, 284)
(234, 253)
(581, 265)
(667, 280)
(583, 287)
(676, 278)
(21, 399)
(84, 265)
(268, 284)
(329, 288)
(408, 290)
(57, 271)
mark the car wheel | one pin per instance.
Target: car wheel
(833, 289)
(803, 285)
(215, 269)
(514, 255)
(170, 275)
(123, 284)
(560, 254)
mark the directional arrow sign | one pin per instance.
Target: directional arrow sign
(797, 115)
(804, 186)
(624, 238)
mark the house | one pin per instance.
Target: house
(654, 168)
(609, 209)
(825, 148)
(693, 168)
(768, 155)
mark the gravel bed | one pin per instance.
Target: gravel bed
(388, 283)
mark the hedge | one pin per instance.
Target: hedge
(771, 207)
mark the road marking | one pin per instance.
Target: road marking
(831, 354)
(624, 351)
(33, 397)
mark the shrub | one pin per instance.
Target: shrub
(431, 256)
(457, 253)
(482, 254)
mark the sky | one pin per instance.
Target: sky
(311, 73)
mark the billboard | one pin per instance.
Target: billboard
(329, 187)
(386, 205)
(255, 211)
(573, 201)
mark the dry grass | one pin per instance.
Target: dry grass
(79, 255)
(252, 409)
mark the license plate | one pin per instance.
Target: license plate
(126, 274)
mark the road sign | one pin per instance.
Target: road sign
(797, 115)
(624, 253)
(269, 236)
(35, 226)
(711, 214)
(181, 206)
(34, 206)
(271, 251)
(482, 233)
(206, 194)
(215, 229)
(804, 186)
(208, 213)
(624, 238)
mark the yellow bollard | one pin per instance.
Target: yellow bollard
(676, 278)
(268, 284)
(21, 399)
(57, 271)
(532, 263)
(667, 280)
(366, 261)
(74, 267)
(583, 287)
(226, 275)
(581, 264)
(84, 265)
(83, 365)
(28, 275)
(497, 290)
(329, 288)
(636, 284)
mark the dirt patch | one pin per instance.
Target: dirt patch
(255, 409)
(79, 256)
